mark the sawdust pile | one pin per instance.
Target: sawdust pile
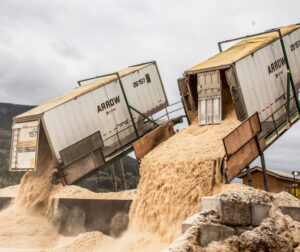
(73, 191)
(23, 223)
(10, 191)
(278, 232)
(176, 174)
(83, 242)
(174, 177)
(32, 220)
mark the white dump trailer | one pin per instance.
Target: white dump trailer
(255, 72)
(87, 126)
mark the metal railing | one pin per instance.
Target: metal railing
(143, 127)
(279, 123)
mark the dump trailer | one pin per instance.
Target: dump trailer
(261, 74)
(255, 69)
(88, 126)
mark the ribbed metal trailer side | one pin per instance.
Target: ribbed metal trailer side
(263, 78)
(87, 125)
(262, 73)
(255, 70)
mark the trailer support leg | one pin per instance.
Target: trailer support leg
(288, 99)
(263, 165)
(289, 70)
(123, 174)
(113, 177)
(249, 176)
(128, 106)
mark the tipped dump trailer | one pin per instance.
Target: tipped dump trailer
(255, 69)
(92, 123)
(260, 75)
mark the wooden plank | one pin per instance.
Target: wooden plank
(244, 156)
(242, 134)
(151, 140)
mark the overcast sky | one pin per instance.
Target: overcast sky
(46, 46)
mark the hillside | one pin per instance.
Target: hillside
(7, 112)
(100, 181)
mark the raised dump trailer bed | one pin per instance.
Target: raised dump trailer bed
(255, 69)
(91, 124)
(262, 73)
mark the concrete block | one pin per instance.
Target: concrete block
(292, 211)
(189, 222)
(259, 212)
(231, 212)
(235, 213)
(211, 203)
(214, 232)
(241, 229)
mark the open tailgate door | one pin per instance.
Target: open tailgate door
(24, 143)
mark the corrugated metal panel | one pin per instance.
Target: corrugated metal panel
(81, 117)
(209, 98)
(241, 49)
(104, 109)
(23, 154)
(263, 92)
(263, 78)
(292, 43)
(77, 92)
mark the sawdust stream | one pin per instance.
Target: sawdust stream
(174, 177)
(23, 223)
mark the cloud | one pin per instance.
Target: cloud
(46, 46)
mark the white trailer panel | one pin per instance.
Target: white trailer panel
(263, 77)
(255, 70)
(263, 92)
(104, 109)
(292, 42)
(23, 153)
(209, 98)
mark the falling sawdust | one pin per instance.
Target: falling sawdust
(29, 223)
(174, 177)
(176, 174)
(23, 223)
